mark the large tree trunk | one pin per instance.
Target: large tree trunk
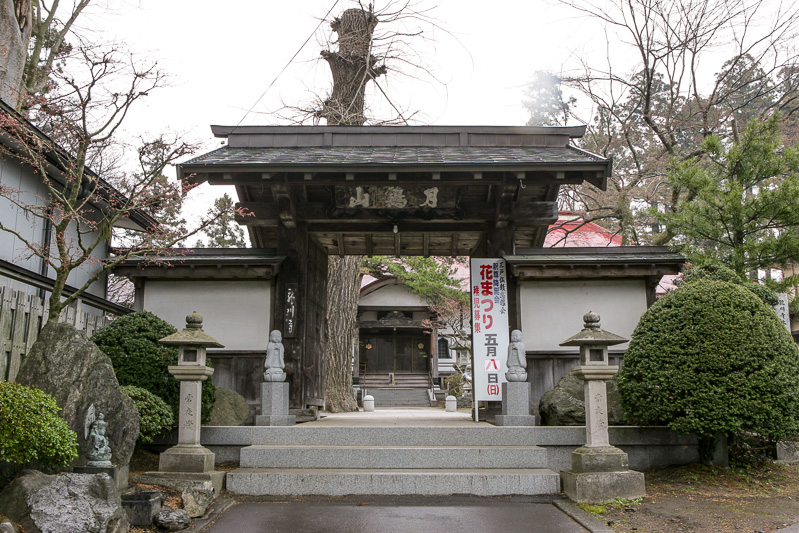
(352, 68)
(342, 333)
(15, 33)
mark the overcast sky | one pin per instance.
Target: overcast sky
(222, 56)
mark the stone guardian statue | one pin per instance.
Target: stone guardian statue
(517, 360)
(99, 451)
(274, 363)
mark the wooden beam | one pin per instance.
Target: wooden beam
(378, 227)
(426, 245)
(535, 213)
(369, 245)
(454, 238)
(397, 244)
(341, 251)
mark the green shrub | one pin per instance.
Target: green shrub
(722, 273)
(711, 358)
(30, 428)
(140, 360)
(155, 416)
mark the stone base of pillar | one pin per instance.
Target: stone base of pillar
(600, 474)
(599, 459)
(186, 458)
(275, 405)
(182, 481)
(118, 473)
(598, 487)
(275, 420)
(515, 405)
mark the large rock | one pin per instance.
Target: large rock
(172, 519)
(230, 409)
(64, 363)
(565, 404)
(64, 503)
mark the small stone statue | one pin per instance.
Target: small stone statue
(517, 360)
(274, 358)
(99, 452)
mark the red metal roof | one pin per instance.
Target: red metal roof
(573, 230)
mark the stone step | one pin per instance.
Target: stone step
(400, 397)
(370, 381)
(405, 457)
(302, 435)
(342, 482)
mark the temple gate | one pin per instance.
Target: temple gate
(478, 191)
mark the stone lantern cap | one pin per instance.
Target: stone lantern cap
(593, 334)
(192, 335)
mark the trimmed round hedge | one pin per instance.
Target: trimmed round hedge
(30, 428)
(711, 358)
(131, 342)
(155, 416)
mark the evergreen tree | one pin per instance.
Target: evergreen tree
(739, 206)
(225, 232)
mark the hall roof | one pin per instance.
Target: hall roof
(399, 190)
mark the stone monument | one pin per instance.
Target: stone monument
(516, 392)
(189, 464)
(275, 389)
(99, 454)
(599, 471)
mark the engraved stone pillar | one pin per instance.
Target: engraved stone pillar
(599, 471)
(189, 464)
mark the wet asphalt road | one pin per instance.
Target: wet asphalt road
(484, 516)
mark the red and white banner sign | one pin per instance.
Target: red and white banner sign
(489, 289)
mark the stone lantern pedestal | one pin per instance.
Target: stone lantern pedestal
(189, 465)
(599, 471)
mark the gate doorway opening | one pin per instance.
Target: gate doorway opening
(397, 352)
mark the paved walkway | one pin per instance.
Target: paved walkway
(399, 417)
(486, 515)
(405, 514)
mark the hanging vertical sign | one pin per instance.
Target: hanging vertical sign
(290, 320)
(489, 290)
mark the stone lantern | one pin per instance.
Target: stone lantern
(189, 460)
(599, 471)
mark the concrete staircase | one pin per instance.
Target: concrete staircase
(398, 390)
(334, 461)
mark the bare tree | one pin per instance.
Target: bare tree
(51, 24)
(664, 108)
(15, 34)
(78, 123)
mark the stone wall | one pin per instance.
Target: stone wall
(647, 447)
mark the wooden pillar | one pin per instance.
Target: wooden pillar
(299, 313)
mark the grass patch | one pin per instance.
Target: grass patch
(593, 509)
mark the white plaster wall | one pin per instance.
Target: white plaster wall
(34, 192)
(552, 311)
(393, 296)
(31, 191)
(236, 313)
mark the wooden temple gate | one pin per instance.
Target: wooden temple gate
(315, 191)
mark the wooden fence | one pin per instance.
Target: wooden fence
(22, 316)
